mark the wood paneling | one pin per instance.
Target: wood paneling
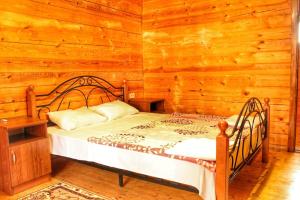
(44, 42)
(211, 56)
(203, 56)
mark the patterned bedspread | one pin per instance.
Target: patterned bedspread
(155, 137)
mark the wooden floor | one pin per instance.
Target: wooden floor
(280, 179)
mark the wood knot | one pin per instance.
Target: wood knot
(246, 93)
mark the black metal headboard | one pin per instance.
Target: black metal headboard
(85, 86)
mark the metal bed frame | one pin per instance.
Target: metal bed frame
(77, 84)
(253, 117)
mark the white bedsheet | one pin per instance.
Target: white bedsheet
(203, 148)
(73, 144)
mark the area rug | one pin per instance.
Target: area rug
(63, 191)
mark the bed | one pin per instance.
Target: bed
(201, 151)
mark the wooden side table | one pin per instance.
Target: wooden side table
(24, 154)
(148, 104)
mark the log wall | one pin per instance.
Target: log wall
(210, 56)
(44, 42)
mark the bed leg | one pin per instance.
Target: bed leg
(121, 182)
(265, 142)
(222, 171)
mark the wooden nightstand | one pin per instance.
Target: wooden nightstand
(148, 104)
(24, 153)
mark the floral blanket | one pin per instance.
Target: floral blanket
(155, 137)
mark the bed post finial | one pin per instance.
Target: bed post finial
(265, 143)
(267, 101)
(31, 102)
(222, 157)
(223, 125)
(125, 91)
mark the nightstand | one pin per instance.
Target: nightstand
(148, 104)
(24, 154)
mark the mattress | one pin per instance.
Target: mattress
(177, 147)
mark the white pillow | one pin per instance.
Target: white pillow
(85, 116)
(64, 119)
(72, 119)
(232, 120)
(114, 110)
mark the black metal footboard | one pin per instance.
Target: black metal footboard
(248, 134)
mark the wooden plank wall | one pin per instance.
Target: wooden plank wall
(210, 56)
(44, 42)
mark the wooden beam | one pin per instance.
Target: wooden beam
(294, 77)
(222, 171)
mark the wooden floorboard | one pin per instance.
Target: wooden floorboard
(280, 179)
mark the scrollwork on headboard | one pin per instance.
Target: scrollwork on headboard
(82, 86)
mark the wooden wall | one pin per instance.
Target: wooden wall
(210, 56)
(205, 56)
(44, 42)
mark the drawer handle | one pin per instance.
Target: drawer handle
(14, 157)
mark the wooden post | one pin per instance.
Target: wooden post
(31, 102)
(265, 142)
(294, 76)
(222, 157)
(125, 87)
